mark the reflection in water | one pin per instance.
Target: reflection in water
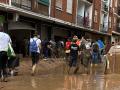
(85, 82)
(72, 82)
(58, 81)
(33, 83)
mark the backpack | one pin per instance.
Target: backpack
(68, 45)
(33, 46)
(95, 47)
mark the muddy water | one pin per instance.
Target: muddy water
(55, 79)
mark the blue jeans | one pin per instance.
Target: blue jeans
(96, 57)
(73, 61)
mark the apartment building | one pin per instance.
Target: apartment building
(56, 19)
(115, 16)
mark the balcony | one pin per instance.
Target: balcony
(91, 1)
(118, 26)
(104, 27)
(88, 2)
(118, 29)
(104, 6)
(24, 4)
(83, 21)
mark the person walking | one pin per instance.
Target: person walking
(35, 45)
(4, 42)
(74, 49)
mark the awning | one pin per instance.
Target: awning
(19, 26)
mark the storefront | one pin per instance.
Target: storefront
(20, 33)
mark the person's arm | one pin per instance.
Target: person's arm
(39, 44)
(79, 52)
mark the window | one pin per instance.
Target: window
(26, 4)
(115, 3)
(44, 2)
(110, 25)
(114, 20)
(111, 3)
(59, 4)
(69, 6)
(95, 18)
(16, 1)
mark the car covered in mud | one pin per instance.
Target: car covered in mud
(112, 59)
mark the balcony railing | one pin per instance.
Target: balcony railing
(104, 27)
(104, 6)
(25, 4)
(83, 21)
(91, 1)
(118, 29)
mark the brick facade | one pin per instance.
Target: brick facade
(96, 9)
(4, 1)
(62, 14)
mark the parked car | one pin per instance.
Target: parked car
(112, 59)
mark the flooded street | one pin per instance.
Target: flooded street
(50, 76)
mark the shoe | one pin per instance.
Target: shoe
(3, 79)
(45, 59)
(32, 74)
(12, 73)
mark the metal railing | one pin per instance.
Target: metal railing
(21, 4)
(91, 1)
(118, 29)
(83, 21)
(104, 27)
(104, 6)
(27, 5)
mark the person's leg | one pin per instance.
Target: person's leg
(35, 61)
(4, 65)
(70, 64)
(46, 53)
(0, 65)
